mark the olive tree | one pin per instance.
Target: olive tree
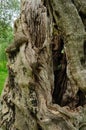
(46, 84)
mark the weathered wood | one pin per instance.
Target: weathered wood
(27, 98)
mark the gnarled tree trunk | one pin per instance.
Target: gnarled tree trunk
(46, 84)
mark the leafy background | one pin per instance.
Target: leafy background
(9, 10)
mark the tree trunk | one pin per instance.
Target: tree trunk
(46, 84)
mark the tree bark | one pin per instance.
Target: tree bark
(46, 84)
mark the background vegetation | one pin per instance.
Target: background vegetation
(9, 10)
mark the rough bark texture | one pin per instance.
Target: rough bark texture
(46, 84)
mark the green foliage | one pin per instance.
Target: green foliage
(5, 30)
(8, 9)
(6, 37)
(3, 74)
(3, 67)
